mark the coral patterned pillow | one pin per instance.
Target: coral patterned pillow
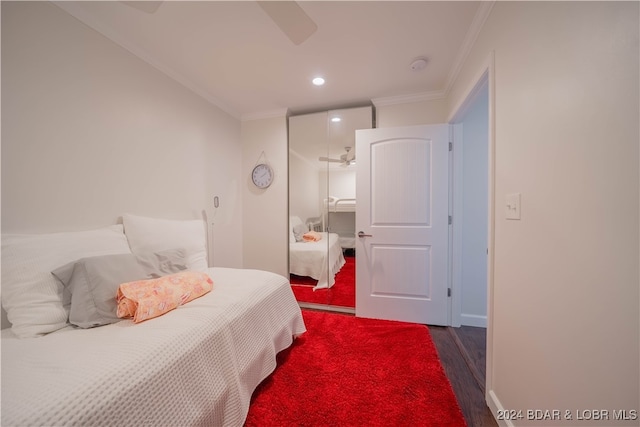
(146, 299)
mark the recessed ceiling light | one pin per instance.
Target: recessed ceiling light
(318, 81)
(335, 119)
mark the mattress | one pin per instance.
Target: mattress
(333, 204)
(196, 365)
(320, 260)
(347, 242)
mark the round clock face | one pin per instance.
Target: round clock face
(262, 175)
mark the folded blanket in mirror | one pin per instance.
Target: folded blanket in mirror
(311, 236)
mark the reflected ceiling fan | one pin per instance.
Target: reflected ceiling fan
(345, 159)
(286, 14)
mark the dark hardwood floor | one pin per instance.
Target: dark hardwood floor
(462, 353)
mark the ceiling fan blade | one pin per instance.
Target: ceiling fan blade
(327, 159)
(291, 18)
(145, 6)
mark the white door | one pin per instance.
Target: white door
(402, 188)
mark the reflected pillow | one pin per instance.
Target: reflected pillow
(298, 231)
(293, 222)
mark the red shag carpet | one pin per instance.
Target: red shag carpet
(350, 371)
(342, 293)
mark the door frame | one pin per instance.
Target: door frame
(485, 76)
(456, 202)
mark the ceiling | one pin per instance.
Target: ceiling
(234, 55)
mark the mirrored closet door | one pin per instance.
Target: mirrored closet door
(322, 203)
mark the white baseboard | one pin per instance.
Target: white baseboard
(473, 320)
(495, 406)
(325, 307)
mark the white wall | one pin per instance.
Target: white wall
(304, 188)
(411, 113)
(265, 212)
(474, 215)
(305, 196)
(342, 181)
(342, 185)
(565, 299)
(90, 132)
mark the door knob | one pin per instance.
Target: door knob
(361, 234)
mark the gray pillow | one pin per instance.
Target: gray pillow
(93, 282)
(161, 263)
(298, 231)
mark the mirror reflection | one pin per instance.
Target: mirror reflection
(322, 202)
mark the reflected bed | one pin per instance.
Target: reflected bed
(318, 260)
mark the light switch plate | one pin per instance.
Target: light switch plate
(513, 206)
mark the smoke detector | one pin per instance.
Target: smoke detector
(418, 64)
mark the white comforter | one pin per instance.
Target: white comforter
(196, 365)
(320, 260)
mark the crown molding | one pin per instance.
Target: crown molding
(280, 112)
(403, 99)
(469, 40)
(113, 35)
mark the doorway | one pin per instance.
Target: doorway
(478, 101)
(470, 208)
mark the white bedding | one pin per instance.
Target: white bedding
(333, 204)
(347, 242)
(196, 365)
(310, 259)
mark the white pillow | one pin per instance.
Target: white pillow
(147, 235)
(293, 221)
(31, 295)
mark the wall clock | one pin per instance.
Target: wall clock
(262, 175)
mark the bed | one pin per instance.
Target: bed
(341, 214)
(195, 365)
(335, 204)
(320, 260)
